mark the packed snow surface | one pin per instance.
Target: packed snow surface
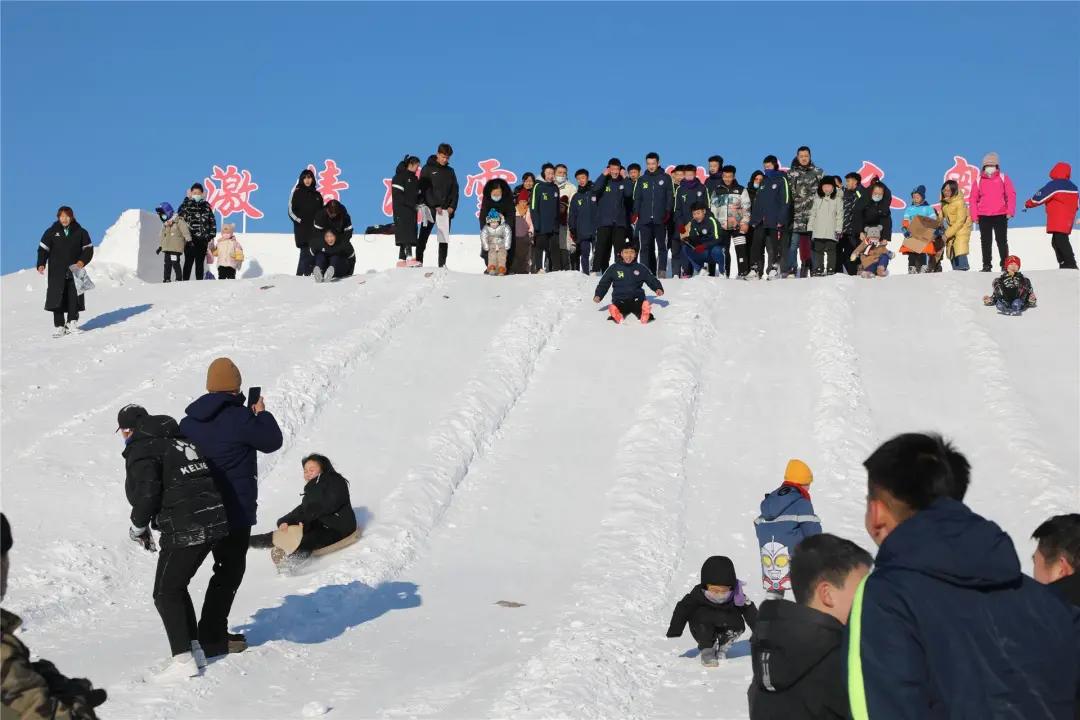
(537, 486)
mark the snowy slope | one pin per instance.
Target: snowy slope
(504, 443)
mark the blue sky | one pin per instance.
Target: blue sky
(108, 106)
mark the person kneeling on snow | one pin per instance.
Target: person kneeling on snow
(716, 610)
(1012, 291)
(332, 259)
(625, 278)
(703, 244)
(496, 238)
(325, 515)
(36, 690)
(787, 518)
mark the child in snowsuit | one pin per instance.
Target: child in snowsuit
(627, 275)
(717, 611)
(495, 238)
(1012, 291)
(175, 235)
(825, 225)
(523, 238)
(920, 259)
(229, 253)
(1060, 197)
(787, 518)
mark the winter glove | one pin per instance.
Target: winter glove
(158, 251)
(1028, 204)
(143, 537)
(633, 219)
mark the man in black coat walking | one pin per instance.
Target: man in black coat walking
(305, 201)
(170, 487)
(64, 244)
(439, 188)
(798, 647)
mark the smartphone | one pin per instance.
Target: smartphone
(254, 393)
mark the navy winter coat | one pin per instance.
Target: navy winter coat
(544, 207)
(947, 626)
(228, 434)
(653, 198)
(772, 204)
(627, 281)
(583, 214)
(691, 192)
(787, 518)
(611, 195)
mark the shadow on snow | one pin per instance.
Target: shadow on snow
(114, 317)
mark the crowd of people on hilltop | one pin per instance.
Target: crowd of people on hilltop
(942, 623)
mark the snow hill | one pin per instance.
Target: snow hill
(503, 443)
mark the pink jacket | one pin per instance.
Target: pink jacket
(225, 249)
(992, 196)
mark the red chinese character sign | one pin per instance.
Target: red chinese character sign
(964, 173)
(489, 170)
(869, 171)
(232, 193)
(328, 180)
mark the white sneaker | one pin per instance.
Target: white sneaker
(181, 667)
(329, 274)
(60, 332)
(317, 273)
(198, 654)
(72, 328)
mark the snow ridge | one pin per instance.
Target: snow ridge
(595, 666)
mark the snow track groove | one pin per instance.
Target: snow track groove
(595, 666)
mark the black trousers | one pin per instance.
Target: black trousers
(226, 273)
(421, 244)
(708, 635)
(824, 255)
(654, 244)
(172, 265)
(991, 228)
(630, 307)
(771, 239)
(844, 248)
(916, 261)
(230, 562)
(316, 537)
(606, 238)
(1063, 251)
(544, 250)
(68, 301)
(725, 242)
(175, 568)
(195, 257)
(742, 245)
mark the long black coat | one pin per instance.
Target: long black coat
(798, 661)
(304, 203)
(505, 206)
(405, 197)
(169, 484)
(326, 502)
(59, 251)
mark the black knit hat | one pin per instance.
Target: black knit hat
(5, 535)
(718, 570)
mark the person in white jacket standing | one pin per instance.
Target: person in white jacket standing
(826, 224)
(567, 190)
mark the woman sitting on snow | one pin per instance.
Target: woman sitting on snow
(324, 516)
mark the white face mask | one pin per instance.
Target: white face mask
(878, 198)
(560, 180)
(991, 170)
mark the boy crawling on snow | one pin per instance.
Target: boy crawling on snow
(716, 610)
(495, 238)
(1012, 291)
(625, 278)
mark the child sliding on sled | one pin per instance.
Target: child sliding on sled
(1012, 291)
(625, 278)
(717, 611)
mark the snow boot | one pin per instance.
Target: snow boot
(317, 273)
(708, 657)
(237, 642)
(614, 315)
(646, 312)
(501, 270)
(59, 332)
(329, 274)
(72, 328)
(182, 667)
(198, 654)
(491, 270)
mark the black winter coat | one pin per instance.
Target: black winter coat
(439, 186)
(506, 203)
(342, 225)
(798, 660)
(868, 213)
(405, 195)
(169, 485)
(697, 608)
(544, 206)
(326, 503)
(1068, 588)
(304, 203)
(59, 251)
(626, 281)
(200, 219)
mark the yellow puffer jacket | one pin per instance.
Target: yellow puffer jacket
(957, 225)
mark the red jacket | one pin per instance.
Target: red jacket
(1060, 197)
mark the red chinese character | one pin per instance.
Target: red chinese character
(232, 194)
(328, 183)
(489, 170)
(869, 171)
(963, 173)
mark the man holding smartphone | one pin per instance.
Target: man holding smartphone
(229, 434)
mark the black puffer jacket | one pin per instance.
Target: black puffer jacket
(868, 213)
(798, 660)
(1012, 287)
(697, 608)
(340, 223)
(326, 502)
(170, 486)
(304, 203)
(439, 186)
(200, 219)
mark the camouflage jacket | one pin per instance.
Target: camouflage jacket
(804, 185)
(37, 690)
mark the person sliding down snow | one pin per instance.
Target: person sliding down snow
(716, 610)
(625, 278)
(496, 239)
(1012, 291)
(787, 518)
(324, 516)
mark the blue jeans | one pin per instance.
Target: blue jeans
(881, 262)
(697, 260)
(960, 262)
